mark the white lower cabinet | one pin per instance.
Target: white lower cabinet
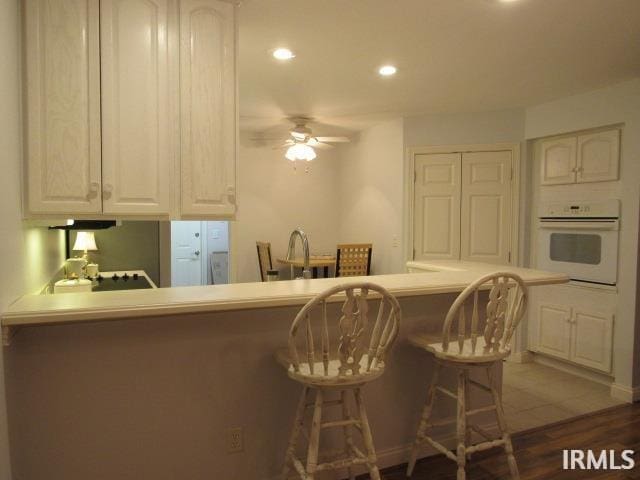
(554, 330)
(578, 329)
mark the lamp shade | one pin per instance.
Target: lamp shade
(85, 241)
(300, 151)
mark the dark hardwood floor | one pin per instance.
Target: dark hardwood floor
(539, 451)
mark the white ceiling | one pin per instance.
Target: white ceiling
(452, 55)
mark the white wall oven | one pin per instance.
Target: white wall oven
(580, 239)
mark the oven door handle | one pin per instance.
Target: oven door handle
(568, 225)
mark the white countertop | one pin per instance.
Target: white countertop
(447, 277)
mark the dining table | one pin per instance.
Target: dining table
(315, 262)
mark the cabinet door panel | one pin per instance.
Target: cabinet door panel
(592, 339)
(137, 162)
(554, 330)
(208, 107)
(437, 206)
(598, 156)
(486, 207)
(63, 106)
(558, 161)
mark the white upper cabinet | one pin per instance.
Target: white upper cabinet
(137, 160)
(598, 156)
(558, 161)
(62, 106)
(131, 108)
(585, 158)
(208, 107)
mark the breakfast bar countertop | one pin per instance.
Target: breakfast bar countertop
(438, 277)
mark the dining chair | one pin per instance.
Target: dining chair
(353, 259)
(338, 358)
(480, 343)
(264, 259)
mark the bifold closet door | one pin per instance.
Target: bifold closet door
(137, 165)
(436, 224)
(485, 230)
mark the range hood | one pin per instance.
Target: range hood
(85, 225)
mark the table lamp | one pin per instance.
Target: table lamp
(85, 241)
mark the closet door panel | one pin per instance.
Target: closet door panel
(437, 206)
(485, 230)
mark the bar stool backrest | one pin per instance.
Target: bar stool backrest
(506, 306)
(360, 342)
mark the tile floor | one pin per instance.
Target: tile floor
(535, 395)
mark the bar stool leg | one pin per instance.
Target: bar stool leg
(348, 436)
(426, 414)
(462, 423)
(314, 437)
(295, 433)
(367, 437)
(508, 446)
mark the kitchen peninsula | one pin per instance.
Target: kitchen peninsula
(155, 378)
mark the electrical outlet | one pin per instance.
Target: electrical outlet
(235, 442)
(395, 241)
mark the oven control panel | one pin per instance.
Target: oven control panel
(608, 209)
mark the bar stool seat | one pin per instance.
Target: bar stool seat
(478, 344)
(466, 355)
(358, 356)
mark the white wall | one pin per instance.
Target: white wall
(503, 126)
(371, 186)
(30, 256)
(615, 104)
(274, 200)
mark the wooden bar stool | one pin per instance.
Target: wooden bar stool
(358, 356)
(463, 352)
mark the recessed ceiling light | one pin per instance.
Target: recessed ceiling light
(283, 54)
(387, 70)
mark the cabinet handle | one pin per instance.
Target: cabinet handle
(94, 188)
(106, 190)
(231, 194)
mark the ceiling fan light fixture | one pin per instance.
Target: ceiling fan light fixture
(283, 54)
(300, 151)
(387, 70)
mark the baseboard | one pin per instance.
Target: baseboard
(398, 455)
(624, 393)
(521, 357)
(578, 371)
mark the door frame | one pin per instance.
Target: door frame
(409, 169)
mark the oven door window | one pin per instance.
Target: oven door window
(575, 248)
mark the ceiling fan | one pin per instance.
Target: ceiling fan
(302, 143)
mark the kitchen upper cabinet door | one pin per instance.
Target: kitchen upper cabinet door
(553, 330)
(558, 161)
(208, 107)
(486, 207)
(598, 156)
(437, 206)
(62, 106)
(592, 339)
(137, 160)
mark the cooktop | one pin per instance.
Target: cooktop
(109, 281)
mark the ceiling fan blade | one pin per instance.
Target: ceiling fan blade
(286, 144)
(333, 139)
(319, 145)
